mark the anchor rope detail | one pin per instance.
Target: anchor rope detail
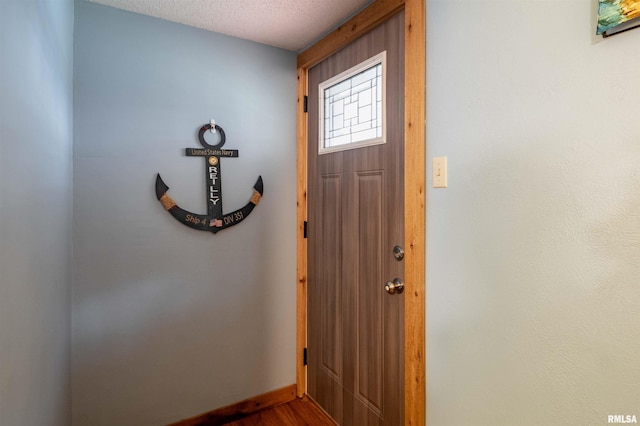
(167, 202)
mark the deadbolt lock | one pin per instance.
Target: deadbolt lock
(398, 253)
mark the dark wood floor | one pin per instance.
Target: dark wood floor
(299, 412)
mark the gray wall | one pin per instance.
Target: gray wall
(533, 260)
(36, 65)
(169, 322)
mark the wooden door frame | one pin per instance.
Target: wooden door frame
(414, 187)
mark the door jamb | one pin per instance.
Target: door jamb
(414, 187)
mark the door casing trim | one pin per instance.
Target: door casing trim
(414, 187)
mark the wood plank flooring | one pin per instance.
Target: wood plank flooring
(299, 412)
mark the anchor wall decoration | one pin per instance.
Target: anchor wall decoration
(215, 220)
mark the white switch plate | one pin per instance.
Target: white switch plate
(440, 172)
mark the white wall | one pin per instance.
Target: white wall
(169, 322)
(36, 94)
(533, 288)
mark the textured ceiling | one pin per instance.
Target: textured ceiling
(289, 24)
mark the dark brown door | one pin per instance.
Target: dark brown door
(355, 215)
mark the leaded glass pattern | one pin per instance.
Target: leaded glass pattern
(352, 107)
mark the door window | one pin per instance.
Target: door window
(352, 107)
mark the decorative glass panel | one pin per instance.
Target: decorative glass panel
(352, 107)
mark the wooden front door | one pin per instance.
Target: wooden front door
(355, 219)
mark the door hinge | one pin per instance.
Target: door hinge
(306, 103)
(305, 228)
(304, 356)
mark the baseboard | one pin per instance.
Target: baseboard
(241, 409)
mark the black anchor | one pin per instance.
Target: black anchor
(215, 220)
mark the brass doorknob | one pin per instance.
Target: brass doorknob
(395, 286)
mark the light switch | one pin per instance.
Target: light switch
(440, 172)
